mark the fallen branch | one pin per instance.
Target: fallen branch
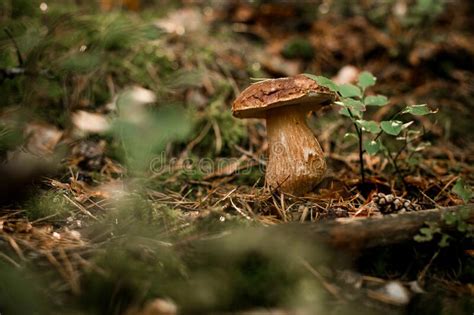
(371, 232)
(350, 234)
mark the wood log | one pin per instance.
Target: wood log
(357, 233)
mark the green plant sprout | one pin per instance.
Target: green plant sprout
(354, 102)
(459, 220)
(463, 190)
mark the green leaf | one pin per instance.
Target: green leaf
(444, 242)
(366, 79)
(353, 104)
(421, 238)
(376, 100)
(392, 127)
(369, 125)
(426, 233)
(345, 112)
(450, 218)
(463, 190)
(350, 90)
(372, 147)
(462, 226)
(350, 135)
(414, 160)
(259, 79)
(418, 110)
(323, 81)
(424, 236)
(464, 213)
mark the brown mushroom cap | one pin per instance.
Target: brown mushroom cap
(298, 90)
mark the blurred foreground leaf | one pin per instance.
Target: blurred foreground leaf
(19, 294)
(418, 110)
(144, 131)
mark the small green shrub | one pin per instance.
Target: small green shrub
(370, 134)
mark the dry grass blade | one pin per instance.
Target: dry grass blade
(331, 288)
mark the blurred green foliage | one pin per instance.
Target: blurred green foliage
(20, 292)
(10, 137)
(145, 131)
(49, 204)
(231, 131)
(423, 12)
(298, 48)
(242, 271)
(72, 55)
(78, 57)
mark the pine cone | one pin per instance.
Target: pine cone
(391, 204)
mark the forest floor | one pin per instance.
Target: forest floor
(129, 188)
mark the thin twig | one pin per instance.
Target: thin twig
(10, 260)
(361, 150)
(395, 166)
(328, 286)
(80, 207)
(422, 274)
(240, 210)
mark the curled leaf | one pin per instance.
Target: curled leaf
(418, 110)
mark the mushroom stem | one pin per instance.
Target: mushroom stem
(296, 163)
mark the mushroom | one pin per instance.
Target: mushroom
(296, 163)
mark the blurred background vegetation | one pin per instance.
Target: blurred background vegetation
(93, 92)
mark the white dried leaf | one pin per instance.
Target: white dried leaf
(347, 74)
(182, 21)
(397, 292)
(141, 95)
(42, 138)
(90, 122)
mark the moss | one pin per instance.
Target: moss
(47, 204)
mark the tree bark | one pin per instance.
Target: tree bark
(357, 233)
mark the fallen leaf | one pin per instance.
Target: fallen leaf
(90, 122)
(182, 21)
(347, 74)
(42, 138)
